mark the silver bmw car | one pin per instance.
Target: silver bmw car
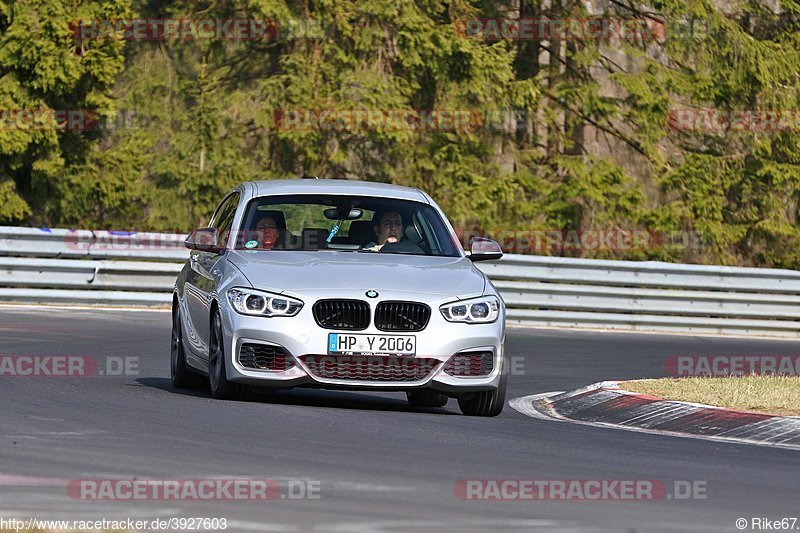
(338, 284)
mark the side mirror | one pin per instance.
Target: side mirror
(204, 240)
(481, 249)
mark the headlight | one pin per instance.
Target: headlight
(476, 311)
(260, 303)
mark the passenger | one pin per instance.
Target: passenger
(266, 233)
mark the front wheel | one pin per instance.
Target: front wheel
(221, 388)
(485, 403)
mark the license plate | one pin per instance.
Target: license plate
(372, 344)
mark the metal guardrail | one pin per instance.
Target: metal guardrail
(65, 266)
(648, 296)
(85, 244)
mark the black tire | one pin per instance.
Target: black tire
(182, 377)
(221, 388)
(426, 398)
(485, 403)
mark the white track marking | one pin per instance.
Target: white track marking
(523, 405)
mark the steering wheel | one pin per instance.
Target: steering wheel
(402, 247)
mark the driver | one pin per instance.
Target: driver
(388, 227)
(267, 233)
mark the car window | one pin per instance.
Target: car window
(223, 218)
(300, 217)
(308, 222)
(428, 234)
(213, 223)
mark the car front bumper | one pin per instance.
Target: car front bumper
(301, 336)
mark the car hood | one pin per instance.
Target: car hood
(311, 270)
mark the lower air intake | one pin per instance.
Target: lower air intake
(470, 364)
(370, 367)
(264, 357)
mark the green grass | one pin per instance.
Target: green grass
(776, 395)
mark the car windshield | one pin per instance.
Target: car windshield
(340, 222)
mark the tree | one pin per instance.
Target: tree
(48, 78)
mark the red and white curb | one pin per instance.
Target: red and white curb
(605, 404)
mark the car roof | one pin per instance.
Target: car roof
(333, 186)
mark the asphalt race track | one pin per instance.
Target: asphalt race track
(380, 465)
